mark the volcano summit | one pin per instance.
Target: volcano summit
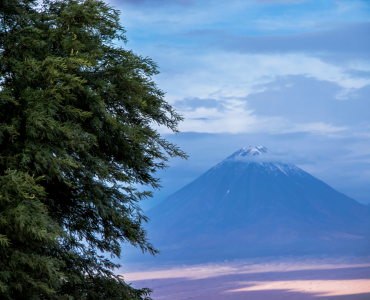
(248, 206)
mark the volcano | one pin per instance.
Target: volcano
(250, 205)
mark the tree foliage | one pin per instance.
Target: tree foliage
(76, 137)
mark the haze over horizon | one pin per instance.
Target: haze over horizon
(291, 75)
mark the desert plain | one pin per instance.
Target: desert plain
(269, 278)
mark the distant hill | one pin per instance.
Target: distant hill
(250, 206)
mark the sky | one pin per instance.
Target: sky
(290, 75)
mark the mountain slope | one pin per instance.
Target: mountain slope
(245, 205)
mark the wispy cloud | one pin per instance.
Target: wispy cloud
(236, 74)
(343, 39)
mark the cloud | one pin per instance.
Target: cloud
(233, 117)
(285, 104)
(247, 122)
(347, 38)
(220, 92)
(191, 104)
(218, 74)
(280, 157)
(305, 99)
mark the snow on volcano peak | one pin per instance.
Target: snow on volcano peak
(249, 151)
(266, 162)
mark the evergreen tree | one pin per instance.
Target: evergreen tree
(76, 137)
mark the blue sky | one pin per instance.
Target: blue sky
(291, 75)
